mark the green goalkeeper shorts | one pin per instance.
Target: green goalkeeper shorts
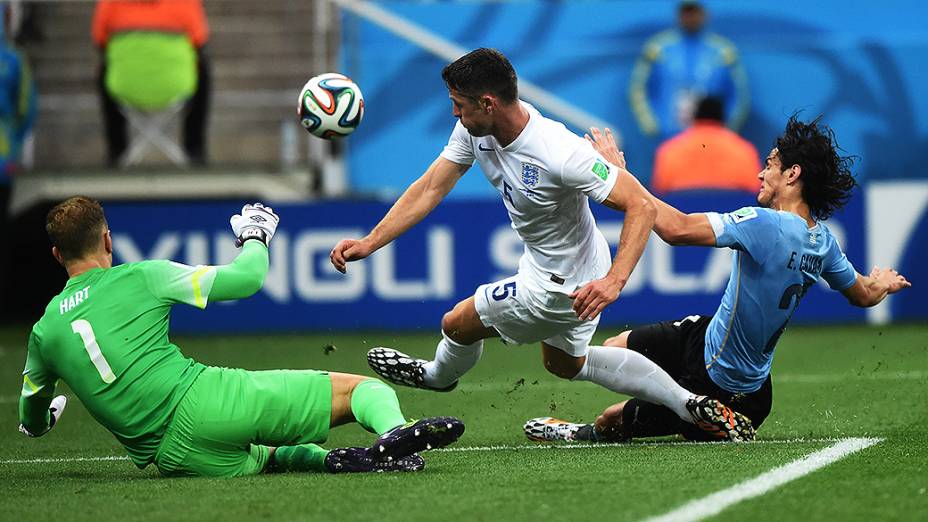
(229, 418)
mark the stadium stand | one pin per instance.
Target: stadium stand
(257, 65)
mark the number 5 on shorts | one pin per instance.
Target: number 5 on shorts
(83, 328)
(502, 291)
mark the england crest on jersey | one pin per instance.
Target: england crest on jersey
(530, 174)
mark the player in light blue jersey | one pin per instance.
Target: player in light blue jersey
(781, 248)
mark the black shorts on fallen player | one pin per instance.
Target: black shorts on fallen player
(677, 347)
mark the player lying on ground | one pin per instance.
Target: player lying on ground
(780, 250)
(545, 175)
(106, 336)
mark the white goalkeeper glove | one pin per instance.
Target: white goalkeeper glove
(55, 408)
(255, 222)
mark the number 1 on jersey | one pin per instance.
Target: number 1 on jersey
(83, 328)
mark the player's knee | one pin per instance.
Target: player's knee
(455, 325)
(565, 369)
(561, 363)
(344, 384)
(620, 341)
(450, 324)
(370, 381)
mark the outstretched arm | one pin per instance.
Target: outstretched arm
(417, 201)
(627, 195)
(678, 228)
(870, 290)
(244, 276)
(197, 285)
(673, 226)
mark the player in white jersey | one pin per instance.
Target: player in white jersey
(545, 175)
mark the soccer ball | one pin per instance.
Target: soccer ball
(330, 106)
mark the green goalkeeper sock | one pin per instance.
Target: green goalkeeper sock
(303, 457)
(375, 406)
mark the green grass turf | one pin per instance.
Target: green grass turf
(829, 382)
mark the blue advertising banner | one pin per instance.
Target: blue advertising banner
(860, 64)
(411, 283)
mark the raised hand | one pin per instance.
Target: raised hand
(604, 143)
(255, 222)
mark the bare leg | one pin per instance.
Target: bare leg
(608, 425)
(343, 385)
(463, 326)
(460, 347)
(619, 341)
(561, 363)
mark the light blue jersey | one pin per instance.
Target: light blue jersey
(777, 258)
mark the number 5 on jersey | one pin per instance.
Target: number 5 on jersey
(83, 328)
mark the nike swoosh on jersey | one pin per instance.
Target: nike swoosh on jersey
(480, 146)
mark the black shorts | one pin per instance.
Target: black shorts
(677, 347)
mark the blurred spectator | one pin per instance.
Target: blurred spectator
(113, 18)
(706, 156)
(17, 100)
(23, 22)
(17, 114)
(679, 66)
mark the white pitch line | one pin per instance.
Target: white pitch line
(574, 446)
(502, 447)
(717, 502)
(67, 459)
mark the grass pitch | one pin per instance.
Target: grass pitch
(829, 383)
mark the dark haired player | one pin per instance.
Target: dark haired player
(106, 336)
(545, 176)
(780, 249)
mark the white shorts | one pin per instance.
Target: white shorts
(532, 306)
(523, 311)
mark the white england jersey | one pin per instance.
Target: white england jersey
(545, 178)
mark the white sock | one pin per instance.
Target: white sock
(627, 371)
(452, 360)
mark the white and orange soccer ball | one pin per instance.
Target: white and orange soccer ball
(330, 106)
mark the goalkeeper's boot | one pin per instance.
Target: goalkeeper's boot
(416, 436)
(399, 368)
(360, 460)
(547, 429)
(719, 420)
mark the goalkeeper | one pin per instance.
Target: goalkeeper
(106, 336)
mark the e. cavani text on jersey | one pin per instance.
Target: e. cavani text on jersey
(809, 263)
(67, 304)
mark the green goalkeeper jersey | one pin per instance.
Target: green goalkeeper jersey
(106, 336)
